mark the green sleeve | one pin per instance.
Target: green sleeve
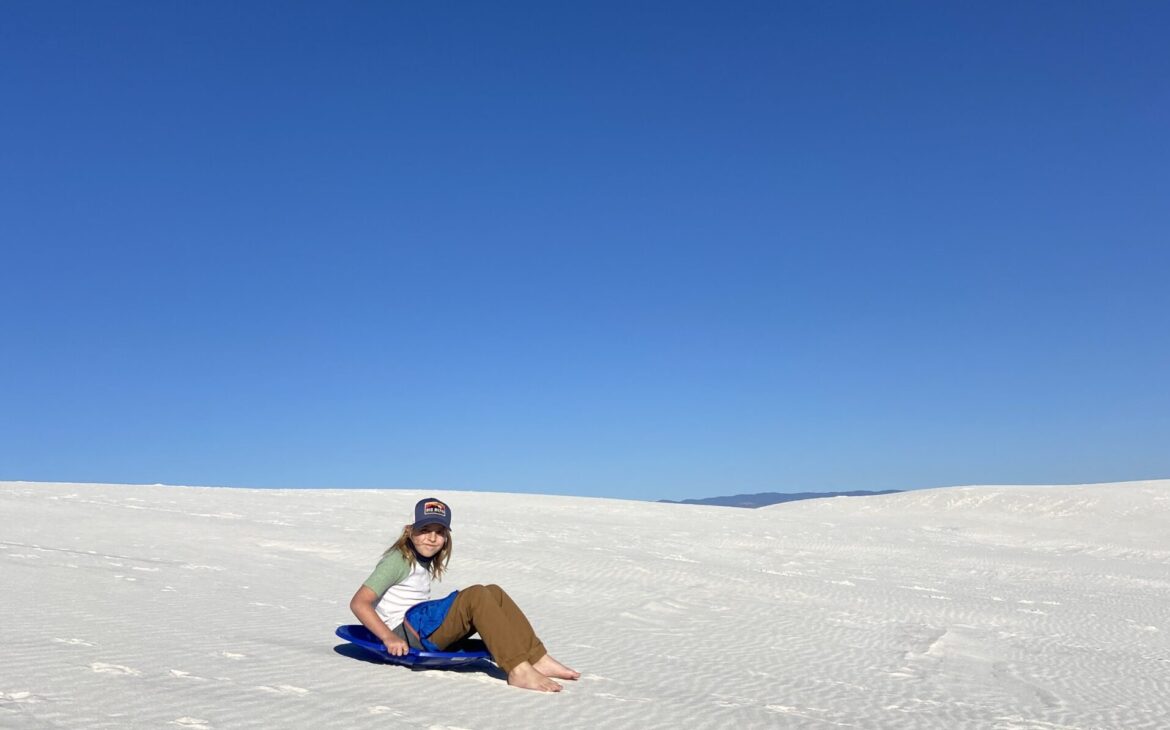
(392, 569)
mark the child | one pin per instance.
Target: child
(397, 594)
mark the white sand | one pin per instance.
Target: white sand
(985, 607)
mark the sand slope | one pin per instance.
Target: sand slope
(988, 607)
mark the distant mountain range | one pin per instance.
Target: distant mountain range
(763, 499)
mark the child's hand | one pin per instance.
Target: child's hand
(396, 646)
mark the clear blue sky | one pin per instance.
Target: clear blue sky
(639, 249)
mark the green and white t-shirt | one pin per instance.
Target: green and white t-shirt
(399, 586)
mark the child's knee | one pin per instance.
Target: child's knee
(484, 594)
(474, 593)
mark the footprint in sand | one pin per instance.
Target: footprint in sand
(104, 668)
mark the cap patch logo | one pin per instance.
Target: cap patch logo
(435, 508)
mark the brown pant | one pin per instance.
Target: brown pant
(500, 623)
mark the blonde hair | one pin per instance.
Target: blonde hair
(438, 563)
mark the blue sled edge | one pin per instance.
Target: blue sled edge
(359, 635)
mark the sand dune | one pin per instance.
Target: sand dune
(984, 607)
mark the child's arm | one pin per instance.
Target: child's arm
(362, 605)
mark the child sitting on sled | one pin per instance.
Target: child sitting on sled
(397, 594)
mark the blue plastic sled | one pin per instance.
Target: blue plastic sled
(359, 635)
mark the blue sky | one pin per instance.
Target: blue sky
(648, 250)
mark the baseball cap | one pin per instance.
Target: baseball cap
(431, 511)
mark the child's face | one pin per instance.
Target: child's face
(429, 540)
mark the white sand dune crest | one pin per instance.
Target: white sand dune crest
(998, 607)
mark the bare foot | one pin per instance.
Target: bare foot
(525, 676)
(550, 667)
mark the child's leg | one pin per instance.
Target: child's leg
(504, 628)
(519, 621)
(540, 659)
